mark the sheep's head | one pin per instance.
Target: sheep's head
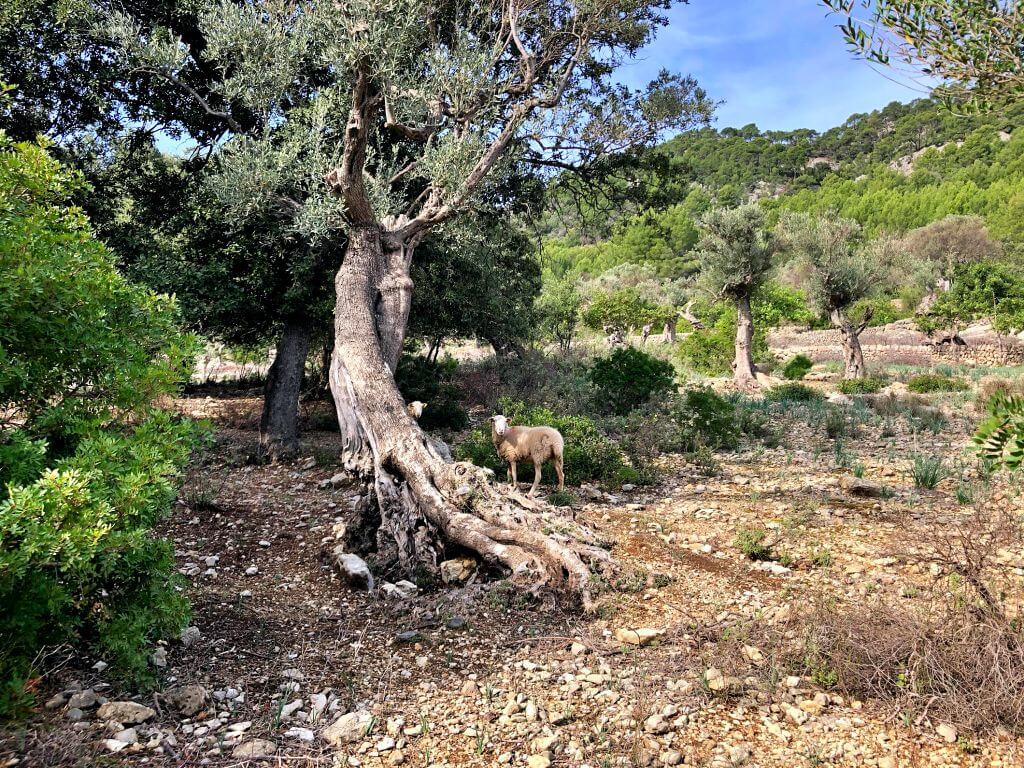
(415, 409)
(499, 424)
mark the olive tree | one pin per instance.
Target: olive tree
(737, 252)
(839, 272)
(975, 48)
(395, 117)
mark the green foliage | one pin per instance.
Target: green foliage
(628, 377)
(932, 382)
(696, 421)
(663, 240)
(589, 454)
(711, 351)
(736, 251)
(752, 543)
(624, 309)
(792, 393)
(1000, 438)
(432, 382)
(558, 309)
(797, 367)
(973, 48)
(89, 465)
(867, 385)
(928, 471)
(979, 290)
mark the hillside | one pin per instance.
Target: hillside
(892, 170)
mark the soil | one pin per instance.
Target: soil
(480, 675)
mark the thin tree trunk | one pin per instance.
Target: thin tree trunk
(279, 423)
(668, 333)
(744, 375)
(426, 503)
(853, 355)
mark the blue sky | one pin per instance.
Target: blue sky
(778, 63)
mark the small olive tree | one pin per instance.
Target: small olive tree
(737, 252)
(840, 271)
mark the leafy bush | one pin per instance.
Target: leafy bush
(628, 377)
(752, 543)
(928, 471)
(1000, 438)
(792, 393)
(797, 367)
(931, 382)
(868, 385)
(88, 465)
(590, 455)
(699, 419)
(431, 382)
(555, 381)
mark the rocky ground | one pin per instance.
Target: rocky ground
(284, 664)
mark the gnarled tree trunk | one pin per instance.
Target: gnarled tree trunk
(744, 375)
(853, 355)
(279, 423)
(425, 503)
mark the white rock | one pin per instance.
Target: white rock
(254, 749)
(353, 569)
(190, 636)
(127, 712)
(302, 734)
(642, 636)
(347, 728)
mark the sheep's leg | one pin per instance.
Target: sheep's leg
(560, 471)
(515, 480)
(537, 467)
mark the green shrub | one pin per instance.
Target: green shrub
(91, 465)
(792, 393)
(797, 367)
(930, 382)
(627, 378)
(698, 419)
(867, 385)
(928, 471)
(432, 382)
(752, 543)
(590, 455)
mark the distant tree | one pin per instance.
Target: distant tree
(737, 252)
(840, 272)
(952, 241)
(558, 311)
(986, 290)
(624, 309)
(975, 48)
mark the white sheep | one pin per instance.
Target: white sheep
(536, 444)
(415, 409)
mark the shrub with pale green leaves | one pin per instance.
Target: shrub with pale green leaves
(88, 463)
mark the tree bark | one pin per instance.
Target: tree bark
(744, 375)
(425, 503)
(668, 333)
(279, 423)
(853, 355)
